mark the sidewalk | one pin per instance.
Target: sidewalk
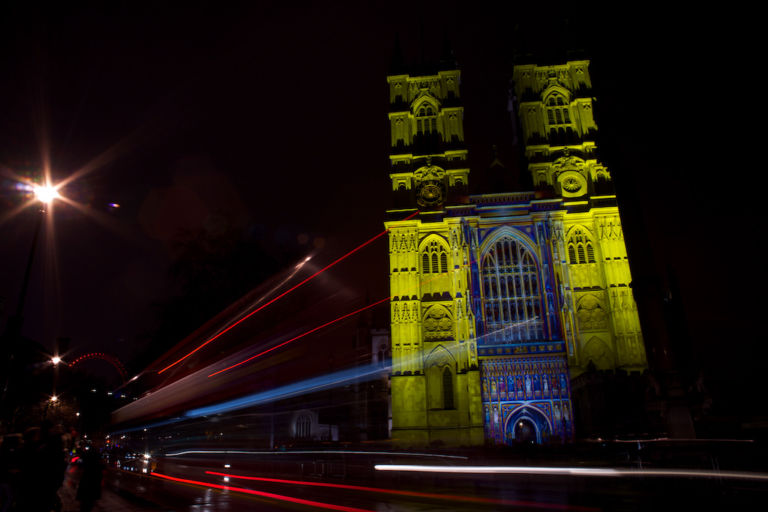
(110, 501)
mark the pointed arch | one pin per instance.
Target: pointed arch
(538, 418)
(511, 292)
(424, 101)
(581, 245)
(440, 366)
(551, 93)
(557, 102)
(596, 351)
(434, 251)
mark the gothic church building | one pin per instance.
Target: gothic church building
(499, 300)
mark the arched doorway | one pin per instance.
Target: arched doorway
(527, 425)
(525, 431)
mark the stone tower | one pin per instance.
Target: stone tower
(499, 299)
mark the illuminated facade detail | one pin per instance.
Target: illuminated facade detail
(511, 297)
(528, 389)
(500, 299)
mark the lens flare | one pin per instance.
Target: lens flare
(46, 193)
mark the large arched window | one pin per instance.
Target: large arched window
(511, 293)
(434, 259)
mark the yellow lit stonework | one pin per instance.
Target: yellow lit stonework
(499, 299)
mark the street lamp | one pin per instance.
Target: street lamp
(45, 194)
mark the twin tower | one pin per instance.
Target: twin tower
(500, 299)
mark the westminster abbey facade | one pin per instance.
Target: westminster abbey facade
(501, 299)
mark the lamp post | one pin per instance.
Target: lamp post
(45, 194)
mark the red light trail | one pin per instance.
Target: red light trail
(341, 258)
(264, 494)
(415, 494)
(326, 324)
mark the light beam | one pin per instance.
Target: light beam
(338, 260)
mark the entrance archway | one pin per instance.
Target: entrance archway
(527, 424)
(525, 431)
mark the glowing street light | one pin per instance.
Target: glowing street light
(54, 399)
(46, 193)
(55, 360)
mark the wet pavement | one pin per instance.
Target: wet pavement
(204, 484)
(110, 501)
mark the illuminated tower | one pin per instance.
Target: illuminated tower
(435, 374)
(500, 299)
(601, 320)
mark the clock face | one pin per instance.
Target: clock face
(571, 184)
(431, 193)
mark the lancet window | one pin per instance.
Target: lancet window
(511, 293)
(557, 111)
(580, 248)
(434, 259)
(426, 120)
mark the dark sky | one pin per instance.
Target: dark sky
(274, 118)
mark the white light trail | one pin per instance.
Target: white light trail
(575, 471)
(306, 452)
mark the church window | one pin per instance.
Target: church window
(447, 388)
(557, 111)
(511, 293)
(580, 248)
(434, 259)
(426, 120)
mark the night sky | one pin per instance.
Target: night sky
(273, 119)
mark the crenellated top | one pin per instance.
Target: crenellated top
(404, 89)
(533, 83)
